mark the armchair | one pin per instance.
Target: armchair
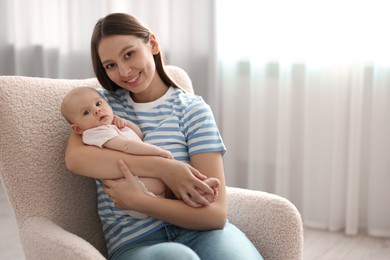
(56, 210)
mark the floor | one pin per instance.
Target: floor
(10, 248)
(322, 245)
(319, 245)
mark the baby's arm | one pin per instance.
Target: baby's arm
(120, 143)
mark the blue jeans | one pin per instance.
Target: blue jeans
(172, 242)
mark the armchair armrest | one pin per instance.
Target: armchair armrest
(272, 223)
(43, 239)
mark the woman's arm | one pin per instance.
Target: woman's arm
(98, 163)
(128, 196)
(95, 162)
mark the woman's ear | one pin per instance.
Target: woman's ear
(154, 44)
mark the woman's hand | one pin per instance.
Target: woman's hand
(127, 194)
(186, 183)
(123, 192)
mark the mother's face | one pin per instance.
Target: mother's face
(128, 61)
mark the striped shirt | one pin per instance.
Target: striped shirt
(179, 122)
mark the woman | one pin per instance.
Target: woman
(128, 63)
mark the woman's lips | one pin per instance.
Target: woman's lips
(134, 80)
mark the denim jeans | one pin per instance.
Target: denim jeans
(172, 242)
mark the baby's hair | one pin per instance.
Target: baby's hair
(65, 106)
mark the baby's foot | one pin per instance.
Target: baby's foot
(214, 184)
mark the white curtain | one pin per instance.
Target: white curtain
(51, 38)
(303, 104)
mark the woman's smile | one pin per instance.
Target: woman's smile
(133, 81)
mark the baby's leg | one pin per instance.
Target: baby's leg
(150, 186)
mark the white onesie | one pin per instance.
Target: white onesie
(99, 135)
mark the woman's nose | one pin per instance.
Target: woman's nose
(124, 70)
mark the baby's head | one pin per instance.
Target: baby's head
(84, 108)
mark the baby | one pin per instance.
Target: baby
(91, 116)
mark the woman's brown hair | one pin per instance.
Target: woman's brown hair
(122, 24)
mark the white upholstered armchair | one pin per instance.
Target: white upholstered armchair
(56, 210)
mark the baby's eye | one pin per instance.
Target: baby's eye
(99, 103)
(86, 112)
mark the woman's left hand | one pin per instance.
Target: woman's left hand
(123, 192)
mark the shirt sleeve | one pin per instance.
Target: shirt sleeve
(99, 135)
(201, 129)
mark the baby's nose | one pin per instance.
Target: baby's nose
(97, 111)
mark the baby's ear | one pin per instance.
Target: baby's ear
(76, 129)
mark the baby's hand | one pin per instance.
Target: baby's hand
(119, 122)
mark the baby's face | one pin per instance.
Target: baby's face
(90, 110)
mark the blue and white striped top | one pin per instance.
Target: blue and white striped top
(179, 122)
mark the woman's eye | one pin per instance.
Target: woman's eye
(129, 54)
(109, 66)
